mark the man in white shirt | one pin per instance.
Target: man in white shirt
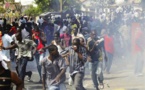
(7, 41)
(40, 21)
(62, 28)
(25, 33)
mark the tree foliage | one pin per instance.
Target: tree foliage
(48, 5)
(71, 3)
(32, 11)
(2, 10)
(54, 5)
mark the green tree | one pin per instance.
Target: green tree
(32, 11)
(47, 5)
(2, 1)
(54, 5)
(71, 3)
(2, 10)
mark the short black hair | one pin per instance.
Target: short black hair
(52, 48)
(56, 34)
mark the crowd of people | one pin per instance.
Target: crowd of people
(74, 43)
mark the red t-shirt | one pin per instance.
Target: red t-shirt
(13, 30)
(38, 39)
(40, 44)
(138, 36)
(108, 42)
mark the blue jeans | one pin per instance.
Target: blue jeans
(54, 88)
(39, 57)
(100, 72)
(93, 68)
(109, 62)
(22, 63)
(57, 87)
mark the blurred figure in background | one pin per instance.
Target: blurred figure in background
(139, 51)
(109, 48)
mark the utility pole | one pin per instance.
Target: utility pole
(61, 3)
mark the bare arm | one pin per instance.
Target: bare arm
(10, 47)
(34, 50)
(60, 74)
(67, 61)
(63, 68)
(80, 55)
(17, 81)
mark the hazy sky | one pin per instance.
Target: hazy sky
(25, 2)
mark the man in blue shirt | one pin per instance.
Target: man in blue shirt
(94, 52)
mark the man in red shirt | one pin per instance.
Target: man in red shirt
(13, 30)
(39, 55)
(109, 48)
(138, 51)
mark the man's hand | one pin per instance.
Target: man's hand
(41, 50)
(75, 47)
(97, 42)
(3, 48)
(89, 59)
(57, 79)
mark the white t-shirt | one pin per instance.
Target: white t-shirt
(1, 22)
(40, 21)
(15, 40)
(25, 34)
(22, 20)
(63, 29)
(7, 40)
